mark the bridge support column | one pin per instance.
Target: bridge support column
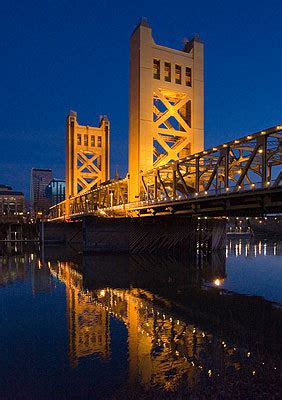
(172, 235)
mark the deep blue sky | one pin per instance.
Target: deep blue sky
(58, 56)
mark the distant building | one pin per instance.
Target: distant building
(56, 191)
(11, 202)
(40, 178)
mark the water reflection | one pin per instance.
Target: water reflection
(164, 349)
(253, 248)
(12, 269)
(180, 334)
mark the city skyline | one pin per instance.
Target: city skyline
(54, 68)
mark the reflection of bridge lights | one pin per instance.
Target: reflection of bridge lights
(102, 293)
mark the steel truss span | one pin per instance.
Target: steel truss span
(241, 176)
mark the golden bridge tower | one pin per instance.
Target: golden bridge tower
(87, 156)
(166, 104)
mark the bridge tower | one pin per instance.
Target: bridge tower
(87, 156)
(166, 104)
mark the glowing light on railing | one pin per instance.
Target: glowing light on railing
(249, 137)
(253, 185)
(236, 141)
(218, 282)
(196, 194)
(214, 148)
(227, 189)
(260, 151)
(224, 145)
(279, 127)
(239, 187)
(206, 192)
(263, 133)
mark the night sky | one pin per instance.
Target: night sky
(59, 55)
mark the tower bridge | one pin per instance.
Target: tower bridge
(170, 172)
(238, 177)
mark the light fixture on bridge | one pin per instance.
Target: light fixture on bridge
(260, 151)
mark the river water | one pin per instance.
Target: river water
(116, 327)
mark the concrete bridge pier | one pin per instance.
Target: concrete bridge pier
(169, 234)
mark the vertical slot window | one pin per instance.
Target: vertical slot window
(92, 141)
(156, 68)
(167, 70)
(99, 141)
(79, 139)
(85, 140)
(188, 76)
(178, 74)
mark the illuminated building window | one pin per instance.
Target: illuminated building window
(92, 141)
(188, 76)
(79, 139)
(167, 71)
(157, 72)
(99, 141)
(178, 74)
(85, 140)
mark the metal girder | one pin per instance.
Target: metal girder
(243, 163)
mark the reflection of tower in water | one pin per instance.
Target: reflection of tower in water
(88, 324)
(163, 351)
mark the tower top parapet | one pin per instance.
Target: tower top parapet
(143, 22)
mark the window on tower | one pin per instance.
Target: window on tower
(178, 74)
(167, 70)
(156, 68)
(188, 76)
